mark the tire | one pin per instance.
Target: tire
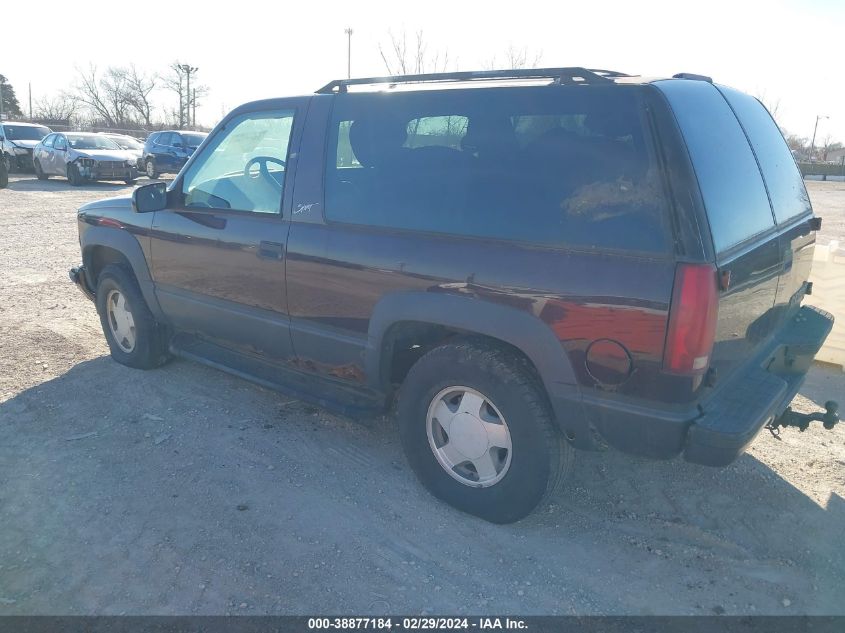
(39, 173)
(139, 341)
(150, 169)
(73, 176)
(130, 181)
(526, 474)
(9, 163)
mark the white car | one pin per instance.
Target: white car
(128, 143)
(17, 140)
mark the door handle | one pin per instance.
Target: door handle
(271, 250)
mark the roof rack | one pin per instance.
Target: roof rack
(564, 76)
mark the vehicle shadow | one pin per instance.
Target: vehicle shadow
(56, 183)
(109, 470)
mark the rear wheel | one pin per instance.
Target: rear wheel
(151, 170)
(73, 175)
(135, 338)
(39, 173)
(9, 163)
(477, 430)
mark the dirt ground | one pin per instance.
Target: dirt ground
(184, 490)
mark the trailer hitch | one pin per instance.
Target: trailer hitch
(802, 421)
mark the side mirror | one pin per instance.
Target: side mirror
(151, 197)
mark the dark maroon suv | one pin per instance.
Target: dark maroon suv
(525, 262)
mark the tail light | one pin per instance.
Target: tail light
(692, 320)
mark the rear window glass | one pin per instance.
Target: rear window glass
(783, 180)
(551, 165)
(734, 195)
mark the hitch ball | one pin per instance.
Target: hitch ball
(831, 415)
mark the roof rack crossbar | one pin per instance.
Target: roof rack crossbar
(568, 76)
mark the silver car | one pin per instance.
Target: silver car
(81, 156)
(129, 143)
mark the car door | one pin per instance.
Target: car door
(178, 152)
(58, 156)
(218, 250)
(161, 151)
(43, 151)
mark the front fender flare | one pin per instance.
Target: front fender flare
(127, 245)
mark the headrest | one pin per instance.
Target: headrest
(375, 140)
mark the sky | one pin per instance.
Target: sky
(257, 49)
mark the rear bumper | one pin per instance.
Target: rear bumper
(715, 430)
(77, 275)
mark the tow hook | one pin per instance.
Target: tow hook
(789, 417)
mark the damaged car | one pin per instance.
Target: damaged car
(17, 140)
(82, 157)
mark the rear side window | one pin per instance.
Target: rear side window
(783, 180)
(734, 195)
(550, 165)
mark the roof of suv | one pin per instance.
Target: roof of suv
(560, 76)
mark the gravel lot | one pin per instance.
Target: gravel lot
(184, 490)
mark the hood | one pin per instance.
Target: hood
(117, 202)
(106, 154)
(23, 143)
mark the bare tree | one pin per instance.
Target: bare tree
(175, 82)
(515, 58)
(62, 107)
(138, 88)
(828, 145)
(797, 144)
(400, 58)
(104, 95)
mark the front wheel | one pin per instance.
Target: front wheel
(73, 176)
(135, 338)
(152, 172)
(39, 173)
(477, 430)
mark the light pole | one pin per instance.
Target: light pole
(815, 129)
(188, 69)
(348, 52)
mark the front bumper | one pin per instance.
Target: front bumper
(717, 429)
(22, 160)
(77, 275)
(105, 170)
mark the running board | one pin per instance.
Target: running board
(346, 400)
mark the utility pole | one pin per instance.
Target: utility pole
(194, 114)
(188, 69)
(30, 101)
(1, 100)
(815, 129)
(348, 32)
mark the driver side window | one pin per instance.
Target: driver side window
(243, 167)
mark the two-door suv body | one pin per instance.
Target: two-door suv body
(525, 261)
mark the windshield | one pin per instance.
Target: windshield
(193, 140)
(126, 142)
(25, 132)
(91, 141)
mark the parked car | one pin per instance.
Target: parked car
(167, 152)
(81, 156)
(540, 262)
(17, 140)
(129, 143)
(4, 175)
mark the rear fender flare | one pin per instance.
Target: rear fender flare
(520, 329)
